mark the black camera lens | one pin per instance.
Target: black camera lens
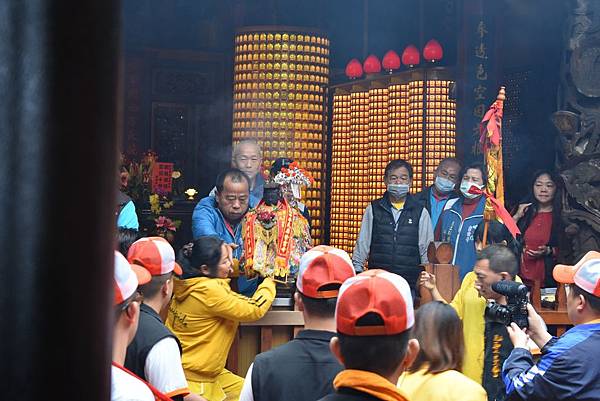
(510, 288)
(498, 313)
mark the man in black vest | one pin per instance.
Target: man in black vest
(304, 368)
(395, 230)
(155, 352)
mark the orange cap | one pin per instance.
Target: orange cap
(127, 278)
(585, 274)
(323, 266)
(374, 291)
(155, 254)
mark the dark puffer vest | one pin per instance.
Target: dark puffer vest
(150, 331)
(395, 245)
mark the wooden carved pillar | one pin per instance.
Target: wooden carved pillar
(578, 123)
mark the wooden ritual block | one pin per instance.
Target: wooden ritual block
(447, 281)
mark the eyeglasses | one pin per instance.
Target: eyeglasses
(136, 297)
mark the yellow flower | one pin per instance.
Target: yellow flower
(154, 204)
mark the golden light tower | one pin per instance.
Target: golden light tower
(281, 75)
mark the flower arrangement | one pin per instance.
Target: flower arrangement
(294, 175)
(164, 224)
(138, 175)
(136, 181)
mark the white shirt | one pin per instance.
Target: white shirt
(124, 387)
(163, 368)
(247, 394)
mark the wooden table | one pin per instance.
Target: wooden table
(553, 317)
(558, 318)
(275, 328)
(281, 325)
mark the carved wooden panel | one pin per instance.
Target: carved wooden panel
(578, 124)
(585, 70)
(176, 103)
(173, 135)
(134, 71)
(187, 84)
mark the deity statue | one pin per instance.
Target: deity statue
(276, 235)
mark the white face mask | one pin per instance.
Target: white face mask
(398, 190)
(466, 185)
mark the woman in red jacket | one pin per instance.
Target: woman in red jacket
(539, 220)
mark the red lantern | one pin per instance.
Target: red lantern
(372, 65)
(410, 56)
(391, 61)
(354, 69)
(433, 51)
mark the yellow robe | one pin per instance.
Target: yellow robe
(470, 307)
(204, 315)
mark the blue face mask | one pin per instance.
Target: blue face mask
(398, 190)
(443, 185)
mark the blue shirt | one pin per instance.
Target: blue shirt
(436, 208)
(128, 218)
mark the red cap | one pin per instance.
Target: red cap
(323, 266)
(585, 274)
(127, 278)
(375, 291)
(155, 254)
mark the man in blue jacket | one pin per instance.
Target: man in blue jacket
(435, 196)
(221, 216)
(461, 216)
(568, 368)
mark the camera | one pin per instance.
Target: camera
(516, 308)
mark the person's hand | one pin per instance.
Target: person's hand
(518, 336)
(521, 211)
(536, 323)
(537, 327)
(541, 251)
(230, 248)
(186, 250)
(427, 280)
